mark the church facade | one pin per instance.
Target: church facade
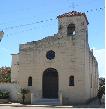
(59, 67)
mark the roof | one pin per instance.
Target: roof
(73, 13)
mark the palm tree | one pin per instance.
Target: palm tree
(24, 92)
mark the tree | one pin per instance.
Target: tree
(101, 81)
(101, 90)
(100, 93)
(24, 92)
(5, 74)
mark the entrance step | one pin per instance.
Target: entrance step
(47, 102)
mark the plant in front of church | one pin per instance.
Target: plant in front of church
(24, 92)
(4, 94)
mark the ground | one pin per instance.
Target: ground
(93, 104)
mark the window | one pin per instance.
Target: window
(50, 55)
(71, 81)
(91, 80)
(71, 29)
(30, 81)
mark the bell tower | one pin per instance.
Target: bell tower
(73, 24)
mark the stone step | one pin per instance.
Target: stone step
(47, 102)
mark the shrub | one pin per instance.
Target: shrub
(24, 92)
(4, 94)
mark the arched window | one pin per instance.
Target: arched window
(71, 81)
(71, 29)
(30, 81)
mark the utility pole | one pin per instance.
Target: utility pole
(1, 35)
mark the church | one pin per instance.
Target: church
(61, 68)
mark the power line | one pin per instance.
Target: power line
(80, 4)
(42, 21)
(17, 26)
(28, 24)
(19, 32)
(73, 2)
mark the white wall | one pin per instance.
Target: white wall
(14, 90)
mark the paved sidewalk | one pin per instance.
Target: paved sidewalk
(93, 104)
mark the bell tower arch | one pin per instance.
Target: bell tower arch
(73, 24)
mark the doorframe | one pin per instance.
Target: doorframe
(47, 71)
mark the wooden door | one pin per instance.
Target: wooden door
(50, 84)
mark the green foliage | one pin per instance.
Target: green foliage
(101, 90)
(100, 93)
(4, 94)
(101, 81)
(24, 92)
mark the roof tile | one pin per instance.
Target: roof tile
(73, 13)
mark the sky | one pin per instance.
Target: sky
(31, 20)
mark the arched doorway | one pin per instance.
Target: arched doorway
(50, 83)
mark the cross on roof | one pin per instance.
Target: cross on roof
(73, 5)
